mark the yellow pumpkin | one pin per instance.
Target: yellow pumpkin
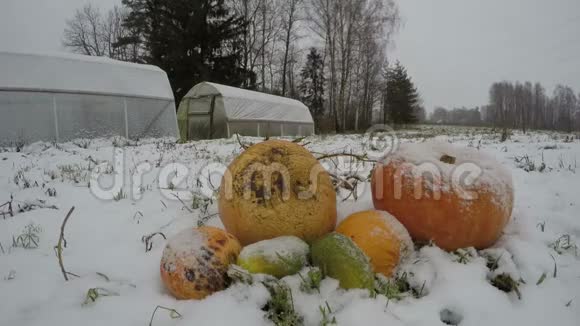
(195, 262)
(380, 236)
(277, 188)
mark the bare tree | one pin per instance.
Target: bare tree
(577, 113)
(565, 105)
(89, 32)
(380, 21)
(539, 106)
(83, 32)
(323, 22)
(291, 15)
(355, 33)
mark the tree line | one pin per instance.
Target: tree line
(519, 106)
(330, 54)
(527, 106)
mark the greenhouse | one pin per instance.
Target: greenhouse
(62, 97)
(216, 111)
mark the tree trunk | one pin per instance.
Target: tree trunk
(290, 24)
(263, 45)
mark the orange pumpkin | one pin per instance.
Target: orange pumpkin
(456, 198)
(195, 262)
(277, 188)
(382, 238)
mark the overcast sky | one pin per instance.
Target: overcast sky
(453, 49)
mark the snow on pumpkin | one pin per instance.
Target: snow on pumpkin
(456, 197)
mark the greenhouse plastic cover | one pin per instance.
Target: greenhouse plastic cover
(64, 97)
(73, 73)
(244, 105)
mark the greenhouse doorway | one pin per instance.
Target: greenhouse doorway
(200, 117)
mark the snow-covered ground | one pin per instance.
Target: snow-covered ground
(105, 232)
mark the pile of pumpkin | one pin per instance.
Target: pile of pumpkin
(278, 206)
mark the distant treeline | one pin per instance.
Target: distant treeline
(520, 106)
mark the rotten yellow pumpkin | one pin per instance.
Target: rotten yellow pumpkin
(277, 188)
(195, 262)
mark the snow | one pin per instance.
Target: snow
(187, 241)
(105, 236)
(271, 250)
(481, 169)
(184, 247)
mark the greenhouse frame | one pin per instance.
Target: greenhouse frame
(61, 97)
(212, 110)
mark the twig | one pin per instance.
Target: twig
(135, 216)
(172, 313)
(61, 243)
(362, 158)
(298, 140)
(9, 204)
(104, 276)
(349, 183)
(202, 220)
(181, 201)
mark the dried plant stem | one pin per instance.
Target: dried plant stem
(242, 145)
(9, 204)
(148, 240)
(182, 203)
(174, 314)
(62, 244)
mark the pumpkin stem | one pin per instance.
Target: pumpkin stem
(447, 159)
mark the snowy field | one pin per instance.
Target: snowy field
(536, 262)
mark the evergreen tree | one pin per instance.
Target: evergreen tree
(192, 40)
(401, 96)
(312, 84)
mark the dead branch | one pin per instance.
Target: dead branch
(362, 158)
(62, 244)
(349, 183)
